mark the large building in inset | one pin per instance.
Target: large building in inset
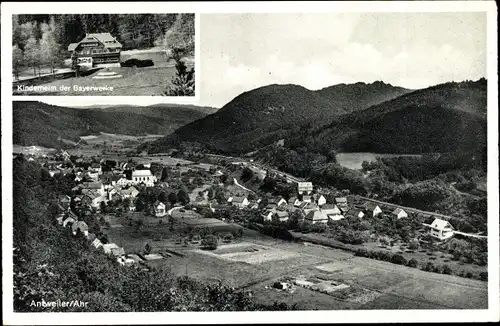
(97, 49)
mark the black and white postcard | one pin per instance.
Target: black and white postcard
(103, 54)
(336, 163)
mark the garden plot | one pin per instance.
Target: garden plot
(259, 256)
(337, 289)
(332, 267)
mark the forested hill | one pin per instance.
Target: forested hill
(38, 123)
(353, 97)
(260, 116)
(443, 118)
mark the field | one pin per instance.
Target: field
(354, 283)
(147, 81)
(32, 150)
(354, 160)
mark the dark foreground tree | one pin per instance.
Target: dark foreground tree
(183, 83)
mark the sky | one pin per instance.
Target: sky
(240, 52)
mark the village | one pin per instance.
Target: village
(203, 195)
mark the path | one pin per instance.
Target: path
(242, 187)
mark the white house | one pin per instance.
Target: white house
(143, 176)
(399, 213)
(68, 221)
(281, 201)
(240, 202)
(97, 243)
(316, 216)
(372, 209)
(160, 209)
(268, 214)
(334, 213)
(321, 200)
(281, 216)
(82, 226)
(122, 182)
(306, 199)
(304, 188)
(441, 229)
(356, 213)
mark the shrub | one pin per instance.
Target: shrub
(446, 270)
(412, 263)
(362, 252)
(483, 276)
(398, 259)
(210, 242)
(429, 267)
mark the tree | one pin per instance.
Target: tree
(147, 249)
(183, 83)
(247, 174)
(17, 60)
(32, 53)
(183, 197)
(50, 50)
(164, 174)
(210, 242)
(172, 198)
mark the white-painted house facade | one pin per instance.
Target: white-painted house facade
(441, 229)
(143, 176)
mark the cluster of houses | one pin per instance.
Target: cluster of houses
(68, 219)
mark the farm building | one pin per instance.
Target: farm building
(304, 188)
(97, 49)
(399, 213)
(371, 209)
(441, 229)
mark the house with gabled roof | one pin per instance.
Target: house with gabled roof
(321, 200)
(356, 212)
(316, 216)
(441, 229)
(97, 49)
(304, 188)
(334, 213)
(160, 209)
(80, 226)
(399, 213)
(281, 216)
(371, 209)
(239, 201)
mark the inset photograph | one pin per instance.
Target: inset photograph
(104, 54)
